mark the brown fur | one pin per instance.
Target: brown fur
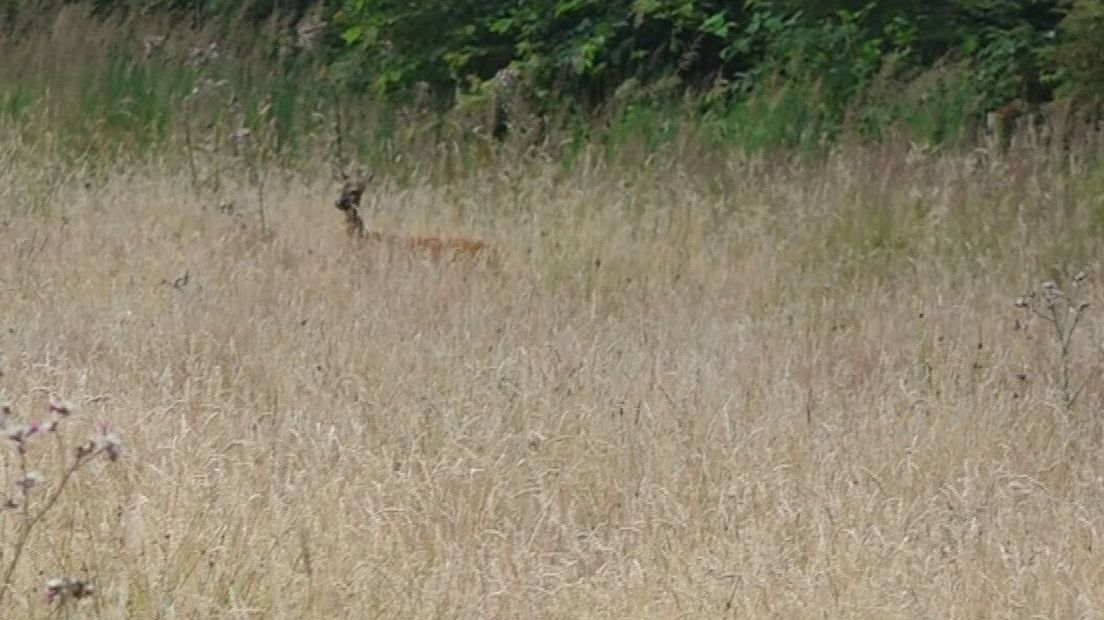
(436, 248)
(1001, 123)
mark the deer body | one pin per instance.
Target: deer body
(1001, 123)
(434, 247)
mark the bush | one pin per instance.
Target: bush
(1081, 49)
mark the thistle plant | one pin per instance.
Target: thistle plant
(1062, 308)
(32, 495)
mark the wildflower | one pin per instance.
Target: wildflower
(112, 445)
(1051, 293)
(60, 407)
(29, 481)
(107, 442)
(21, 432)
(65, 588)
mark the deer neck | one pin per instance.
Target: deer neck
(354, 226)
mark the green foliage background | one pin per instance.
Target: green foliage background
(756, 73)
(580, 51)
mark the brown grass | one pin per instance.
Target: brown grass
(720, 387)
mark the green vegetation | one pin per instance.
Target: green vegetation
(755, 75)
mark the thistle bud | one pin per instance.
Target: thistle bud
(65, 588)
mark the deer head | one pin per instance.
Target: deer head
(348, 201)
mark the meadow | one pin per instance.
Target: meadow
(698, 384)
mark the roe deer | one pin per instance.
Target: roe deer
(1001, 123)
(435, 247)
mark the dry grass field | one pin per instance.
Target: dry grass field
(701, 387)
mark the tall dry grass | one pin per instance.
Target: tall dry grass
(705, 386)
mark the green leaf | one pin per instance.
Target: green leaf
(352, 35)
(568, 6)
(643, 9)
(501, 25)
(716, 25)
